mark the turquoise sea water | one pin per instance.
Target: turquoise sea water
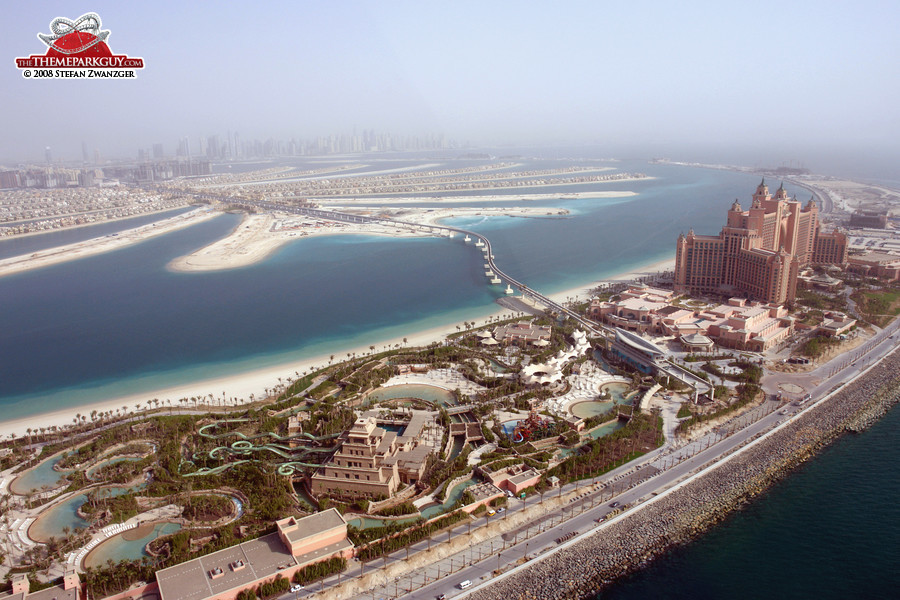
(120, 323)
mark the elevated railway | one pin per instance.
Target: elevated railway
(440, 230)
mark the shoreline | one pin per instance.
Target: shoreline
(255, 381)
(338, 201)
(86, 225)
(258, 236)
(101, 245)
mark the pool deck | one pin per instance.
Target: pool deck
(583, 387)
(170, 512)
(447, 379)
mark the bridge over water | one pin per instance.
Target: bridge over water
(495, 273)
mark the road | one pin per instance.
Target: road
(628, 486)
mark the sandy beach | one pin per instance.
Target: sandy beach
(242, 385)
(373, 200)
(61, 254)
(259, 235)
(255, 238)
(583, 292)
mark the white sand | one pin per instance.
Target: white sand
(60, 254)
(258, 236)
(242, 385)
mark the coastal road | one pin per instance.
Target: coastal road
(581, 515)
(625, 486)
(659, 471)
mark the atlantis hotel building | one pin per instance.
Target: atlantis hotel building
(759, 252)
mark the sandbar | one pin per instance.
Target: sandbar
(61, 254)
(372, 200)
(259, 235)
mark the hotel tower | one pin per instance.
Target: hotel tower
(759, 252)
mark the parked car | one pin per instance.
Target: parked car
(296, 588)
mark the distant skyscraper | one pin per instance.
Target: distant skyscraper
(85, 158)
(48, 156)
(97, 159)
(212, 148)
(158, 151)
(184, 147)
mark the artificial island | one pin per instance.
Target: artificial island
(571, 437)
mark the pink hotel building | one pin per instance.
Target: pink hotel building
(759, 252)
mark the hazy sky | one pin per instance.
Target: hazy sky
(787, 75)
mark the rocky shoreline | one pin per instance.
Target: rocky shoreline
(581, 570)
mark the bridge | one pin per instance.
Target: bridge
(495, 273)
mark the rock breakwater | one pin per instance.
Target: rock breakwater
(677, 517)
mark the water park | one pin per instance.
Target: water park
(448, 430)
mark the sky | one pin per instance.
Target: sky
(653, 77)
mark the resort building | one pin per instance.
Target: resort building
(222, 575)
(636, 351)
(523, 332)
(69, 589)
(876, 264)
(752, 327)
(638, 308)
(875, 219)
(513, 478)
(835, 324)
(736, 324)
(372, 462)
(759, 251)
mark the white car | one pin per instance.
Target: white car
(296, 588)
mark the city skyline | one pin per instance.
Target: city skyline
(779, 82)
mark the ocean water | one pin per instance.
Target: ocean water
(829, 531)
(121, 323)
(17, 245)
